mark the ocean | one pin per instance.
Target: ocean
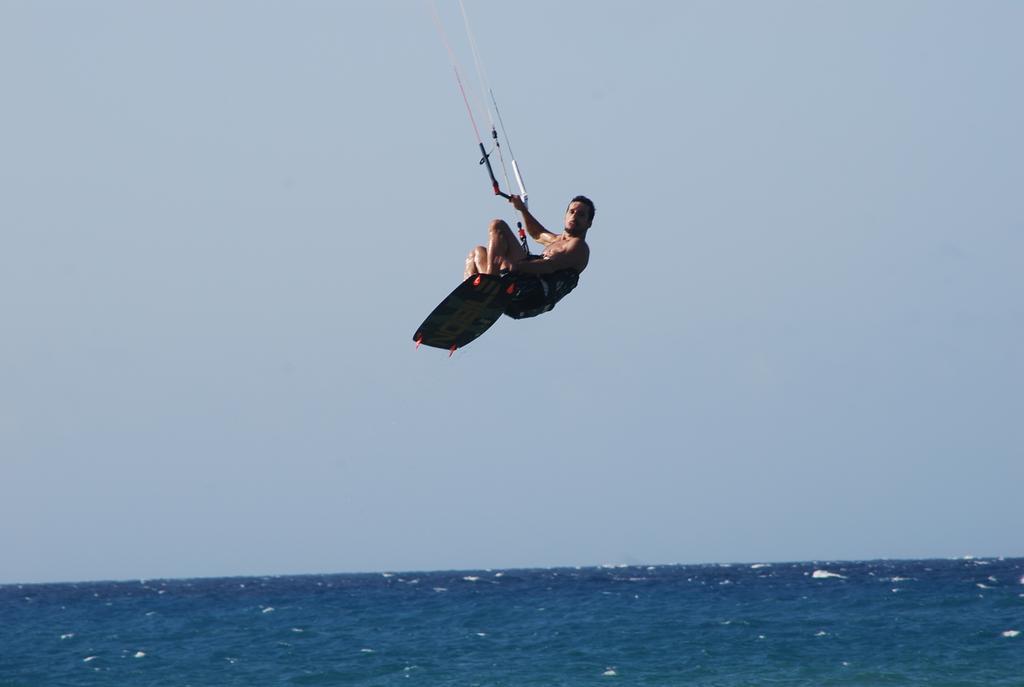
(889, 622)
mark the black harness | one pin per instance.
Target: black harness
(533, 294)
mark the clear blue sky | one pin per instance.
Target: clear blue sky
(801, 335)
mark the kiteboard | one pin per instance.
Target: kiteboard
(466, 313)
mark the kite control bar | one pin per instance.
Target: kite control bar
(486, 160)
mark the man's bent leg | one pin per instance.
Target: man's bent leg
(502, 246)
(475, 262)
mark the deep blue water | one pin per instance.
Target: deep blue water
(935, 622)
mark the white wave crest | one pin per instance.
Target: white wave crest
(825, 574)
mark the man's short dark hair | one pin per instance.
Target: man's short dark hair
(586, 201)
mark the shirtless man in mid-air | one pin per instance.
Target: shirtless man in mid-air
(567, 250)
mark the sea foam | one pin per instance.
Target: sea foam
(825, 574)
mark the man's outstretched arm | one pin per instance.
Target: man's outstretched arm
(533, 227)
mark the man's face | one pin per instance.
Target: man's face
(577, 218)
